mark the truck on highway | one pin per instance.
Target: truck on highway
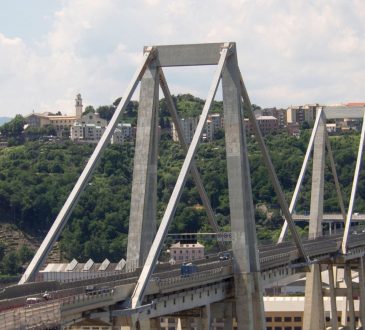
(187, 269)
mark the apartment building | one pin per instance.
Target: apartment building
(214, 122)
(181, 252)
(302, 113)
(267, 125)
(123, 133)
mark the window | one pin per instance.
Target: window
(287, 319)
(277, 319)
(268, 319)
(297, 328)
(297, 319)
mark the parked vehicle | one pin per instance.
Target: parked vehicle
(187, 269)
(225, 256)
(90, 289)
(33, 300)
(46, 295)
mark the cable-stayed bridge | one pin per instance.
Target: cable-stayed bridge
(227, 289)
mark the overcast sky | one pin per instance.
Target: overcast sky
(290, 51)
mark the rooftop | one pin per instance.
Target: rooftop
(182, 245)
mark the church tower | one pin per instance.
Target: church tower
(78, 106)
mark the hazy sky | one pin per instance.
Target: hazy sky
(290, 51)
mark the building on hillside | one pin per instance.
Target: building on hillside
(89, 128)
(123, 133)
(279, 114)
(208, 131)
(267, 125)
(302, 113)
(181, 252)
(217, 121)
(188, 125)
(93, 118)
(61, 123)
(331, 127)
(293, 129)
(350, 124)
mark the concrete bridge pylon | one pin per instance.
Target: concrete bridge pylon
(144, 242)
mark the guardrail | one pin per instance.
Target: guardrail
(41, 316)
(194, 277)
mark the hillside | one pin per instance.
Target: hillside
(35, 179)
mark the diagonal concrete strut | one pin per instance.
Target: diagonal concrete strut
(65, 212)
(354, 188)
(194, 170)
(272, 174)
(301, 175)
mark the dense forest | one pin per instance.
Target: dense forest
(37, 176)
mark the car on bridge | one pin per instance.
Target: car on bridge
(94, 290)
(225, 255)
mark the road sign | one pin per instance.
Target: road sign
(224, 237)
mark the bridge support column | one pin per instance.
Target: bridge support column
(362, 291)
(313, 307)
(334, 320)
(349, 298)
(223, 311)
(228, 316)
(142, 221)
(125, 323)
(205, 321)
(183, 323)
(155, 324)
(248, 292)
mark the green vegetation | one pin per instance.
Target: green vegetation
(11, 263)
(36, 178)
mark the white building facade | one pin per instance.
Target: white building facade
(181, 252)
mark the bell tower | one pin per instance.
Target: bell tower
(78, 106)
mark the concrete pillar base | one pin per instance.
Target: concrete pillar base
(313, 307)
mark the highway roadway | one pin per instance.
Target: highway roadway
(271, 257)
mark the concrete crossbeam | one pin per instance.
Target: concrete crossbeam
(189, 55)
(334, 112)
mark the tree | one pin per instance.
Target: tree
(106, 111)
(14, 128)
(2, 250)
(88, 109)
(25, 254)
(10, 264)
